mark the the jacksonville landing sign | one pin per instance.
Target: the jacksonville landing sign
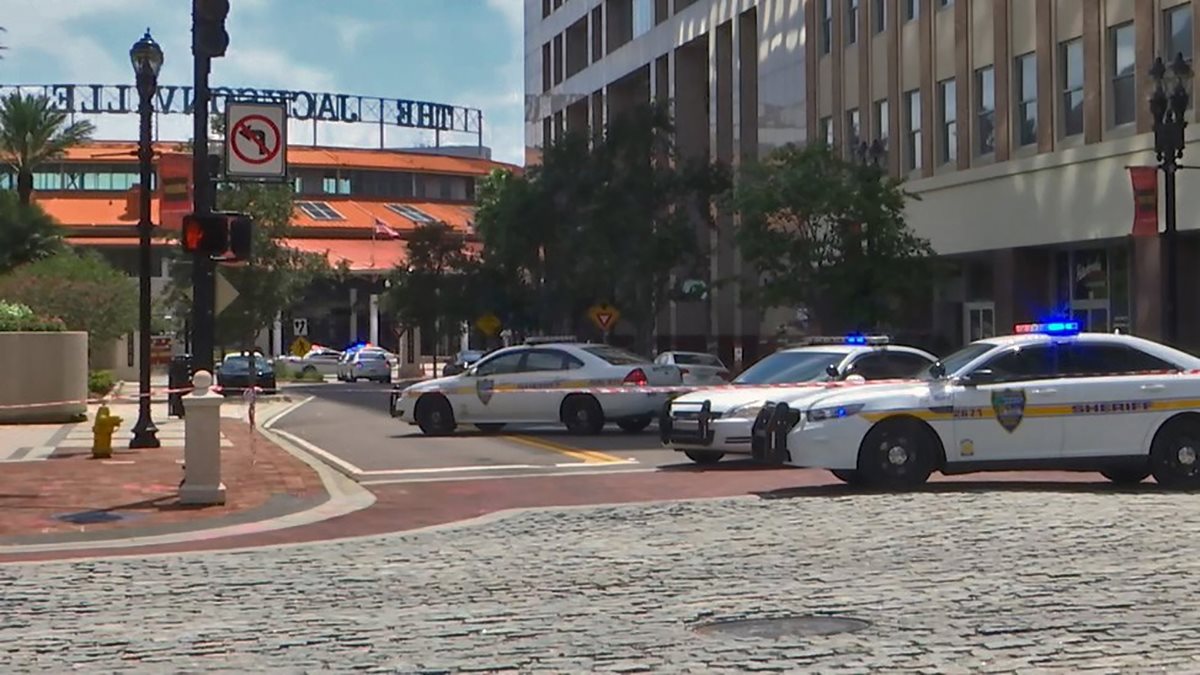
(98, 99)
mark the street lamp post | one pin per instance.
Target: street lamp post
(147, 59)
(1168, 107)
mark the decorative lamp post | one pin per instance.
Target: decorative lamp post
(1168, 108)
(147, 59)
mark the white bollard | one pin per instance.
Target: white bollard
(202, 444)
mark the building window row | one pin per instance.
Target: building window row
(76, 179)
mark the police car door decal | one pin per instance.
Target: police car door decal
(1009, 406)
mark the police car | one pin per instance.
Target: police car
(707, 424)
(1047, 397)
(580, 385)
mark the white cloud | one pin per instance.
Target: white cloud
(350, 30)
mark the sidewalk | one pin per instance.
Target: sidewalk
(70, 497)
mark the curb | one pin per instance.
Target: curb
(344, 497)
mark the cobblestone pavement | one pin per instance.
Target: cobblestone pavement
(957, 580)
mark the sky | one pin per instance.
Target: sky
(461, 52)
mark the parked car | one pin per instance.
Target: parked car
(462, 361)
(234, 375)
(698, 368)
(319, 359)
(365, 364)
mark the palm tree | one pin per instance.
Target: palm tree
(33, 133)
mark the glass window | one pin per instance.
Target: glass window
(826, 26)
(319, 211)
(985, 106)
(1071, 75)
(948, 143)
(544, 359)
(1082, 359)
(1024, 363)
(501, 364)
(1090, 275)
(1026, 88)
(912, 124)
(945, 3)
(906, 365)
(874, 366)
(880, 15)
(853, 135)
(960, 359)
(643, 16)
(1177, 32)
(614, 355)
(1121, 64)
(791, 366)
(882, 121)
(411, 212)
(827, 131)
(912, 9)
(851, 22)
(683, 359)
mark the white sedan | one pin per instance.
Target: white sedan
(708, 424)
(1047, 397)
(580, 385)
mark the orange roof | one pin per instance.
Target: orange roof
(361, 255)
(359, 214)
(93, 210)
(349, 158)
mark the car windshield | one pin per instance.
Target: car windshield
(698, 360)
(614, 355)
(781, 367)
(470, 357)
(241, 364)
(956, 361)
(371, 356)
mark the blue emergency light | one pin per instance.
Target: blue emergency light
(1049, 328)
(856, 339)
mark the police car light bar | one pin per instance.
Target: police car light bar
(849, 340)
(549, 339)
(1049, 328)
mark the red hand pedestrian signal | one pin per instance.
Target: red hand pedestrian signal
(207, 234)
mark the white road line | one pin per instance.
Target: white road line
(595, 469)
(338, 463)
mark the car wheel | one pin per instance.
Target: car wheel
(704, 456)
(1175, 454)
(897, 453)
(1126, 475)
(582, 415)
(491, 427)
(434, 416)
(635, 425)
(847, 476)
(308, 370)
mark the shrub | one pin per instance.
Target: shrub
(16, 317)
(100, 382)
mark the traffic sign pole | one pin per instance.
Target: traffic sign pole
(204, 198)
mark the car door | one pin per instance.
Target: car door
(1112, 408)
(479, 398)
(1009, 408)
(540, 379)
(906, 365)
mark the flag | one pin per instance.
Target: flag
(383, 229)
(1145, 200)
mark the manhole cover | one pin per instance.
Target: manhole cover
(795, 626)
(90, 517)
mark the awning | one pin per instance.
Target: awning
(381, 255)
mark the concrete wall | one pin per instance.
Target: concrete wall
(43, 368)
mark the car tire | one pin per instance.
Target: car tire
(704, 457)
(582, 415)
(308, 370)
(1174, 460)
(897, 454)
(491, 427)
(847, 476)
(635, 425)
(434, 416)
(1126, 475)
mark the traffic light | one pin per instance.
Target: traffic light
(206, 234)
(211, 39)
(241, 233)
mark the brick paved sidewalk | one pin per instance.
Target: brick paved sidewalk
(136, 492)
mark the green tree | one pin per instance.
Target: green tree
(80, 288)
(33, 133)
(27, 233)
(434, 290)
(830, 235)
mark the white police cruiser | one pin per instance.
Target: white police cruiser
(1048, 397)
(580, 385)
(709, 423)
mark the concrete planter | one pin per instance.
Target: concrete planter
(37, 368)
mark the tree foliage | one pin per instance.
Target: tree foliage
(829, 235)
(436, 288)
(80, 288)
(599, 220)
(32, 133)
(27, 233)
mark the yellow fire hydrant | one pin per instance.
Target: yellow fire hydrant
(106, 424)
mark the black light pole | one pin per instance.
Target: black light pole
(1168, 107)
(147, 59)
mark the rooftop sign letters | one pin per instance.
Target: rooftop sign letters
(97, 99)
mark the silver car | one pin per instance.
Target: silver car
(698, 368)
(365, 364)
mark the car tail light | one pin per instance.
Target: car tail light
(636, 378)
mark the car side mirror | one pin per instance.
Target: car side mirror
(832, 371)
(978, 377)
(937, 370)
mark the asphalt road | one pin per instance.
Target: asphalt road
(351, 424)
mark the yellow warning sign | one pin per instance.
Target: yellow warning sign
(604, 315)
(488, 324)
(300, 346)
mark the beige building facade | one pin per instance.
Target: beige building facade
(1015, 121)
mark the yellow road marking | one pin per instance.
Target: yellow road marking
(588, 456)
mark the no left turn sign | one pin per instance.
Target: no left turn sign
(256, 140)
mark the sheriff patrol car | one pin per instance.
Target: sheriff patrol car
(1047, 397)
(580, 385)
(707, 424)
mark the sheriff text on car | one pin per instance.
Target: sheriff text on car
(1048, 397)
(580, 385)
